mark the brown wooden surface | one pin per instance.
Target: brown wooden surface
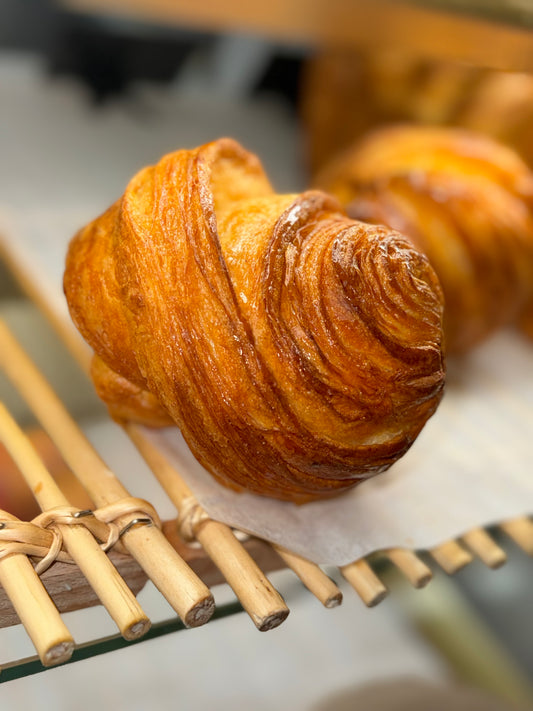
(392, 24)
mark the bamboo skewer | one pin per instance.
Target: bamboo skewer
(257, 596)
(103, 577)
(187, 594)
(451, 556)
(36, 611)
(414, 569)
(365, 582)
(482, 545)
(49, 634)
(521, 532)
(315, 580)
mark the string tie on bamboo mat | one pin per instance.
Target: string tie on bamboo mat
(191, 515)
(41, 537)
(140, 511)
(25, 538)
(29, 539)
(51, 520)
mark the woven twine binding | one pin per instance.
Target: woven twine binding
(191, 515)
(27, 537)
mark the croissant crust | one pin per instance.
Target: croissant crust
(298, 351)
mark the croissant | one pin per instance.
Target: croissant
(298, 351)
(465, 201)
(346, 93)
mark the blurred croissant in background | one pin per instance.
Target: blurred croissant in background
(298, 351)
(345, 93)
(465, 200)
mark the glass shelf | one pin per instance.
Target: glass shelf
(32, 665)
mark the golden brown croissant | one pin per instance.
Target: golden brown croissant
(298, 351)
(346, 93)
(465, 201)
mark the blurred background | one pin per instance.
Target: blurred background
(88, 95)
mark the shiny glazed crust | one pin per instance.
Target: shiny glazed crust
(297, 350)
(465, 201)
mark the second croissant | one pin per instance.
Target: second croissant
(298, 351)
(462, 198)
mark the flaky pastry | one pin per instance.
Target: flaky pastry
(298, 351)
(465, 201)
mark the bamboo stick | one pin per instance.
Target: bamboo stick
(482, 545)
(103, 577)
(262, 602)
(260, 551)
(521, 532)
(36, 611)
(365, 582)
(314, 579)
(414, 569)
(182, 588)
(451, 556)
(254, 591)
